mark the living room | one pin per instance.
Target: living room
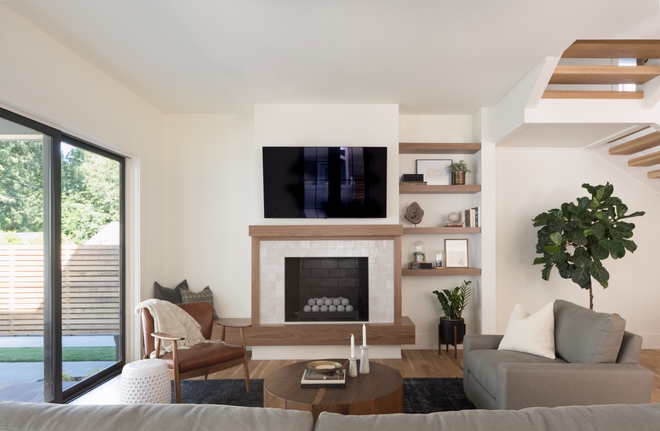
(194, 177)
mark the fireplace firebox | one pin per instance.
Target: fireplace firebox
(326, 289)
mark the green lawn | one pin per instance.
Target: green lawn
(69, 354)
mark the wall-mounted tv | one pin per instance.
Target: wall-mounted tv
(325, 182)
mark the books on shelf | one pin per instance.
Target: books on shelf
(454, 223)
(313, 379)
(471, 217)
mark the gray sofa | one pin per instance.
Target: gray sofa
(597, 363)
(15, 416)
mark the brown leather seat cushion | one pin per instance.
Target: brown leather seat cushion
(204, 355)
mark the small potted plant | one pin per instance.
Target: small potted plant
(458, 170)
(453, 302)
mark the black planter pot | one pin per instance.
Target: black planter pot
(447, 330)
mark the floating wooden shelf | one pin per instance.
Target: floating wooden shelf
(440, 230)
(449, 148)
(440, 272)
(425, 189)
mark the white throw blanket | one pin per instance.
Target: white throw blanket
(172, 320)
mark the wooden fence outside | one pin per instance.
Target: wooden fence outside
(90, 290)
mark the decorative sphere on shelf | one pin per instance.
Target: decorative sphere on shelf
(340, 308)
(328, 302)
(453, 217)
(307, 308)
(349, 308)
(311, 301)
(336, 302)
(324, 308)
(345, 302)
(320, 301)
(315, 308)
(332, 308)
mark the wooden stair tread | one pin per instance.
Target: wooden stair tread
(585, 75)
(635, 146)
(654, 174)
(647, 160)
(614, 49)
(564, 94)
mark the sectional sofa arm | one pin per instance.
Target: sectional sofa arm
(480, 342)
(522, 385)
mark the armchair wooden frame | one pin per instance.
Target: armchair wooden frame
(199, 360)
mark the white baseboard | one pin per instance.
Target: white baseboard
(321, 352)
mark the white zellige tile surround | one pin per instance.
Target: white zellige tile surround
(381, 273)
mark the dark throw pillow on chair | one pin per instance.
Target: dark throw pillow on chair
(171, 295)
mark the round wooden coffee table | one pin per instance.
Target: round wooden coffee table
(380, 391)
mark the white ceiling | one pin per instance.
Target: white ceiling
(428, 56)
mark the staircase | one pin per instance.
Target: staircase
(640, 145)
(589, 69)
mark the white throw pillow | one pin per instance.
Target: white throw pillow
(533, 334)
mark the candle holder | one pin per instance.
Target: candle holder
(364, 360)
(352, 367)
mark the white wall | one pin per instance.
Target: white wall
(45, 81)
(210, 184)
(532, 181)
(329, 125)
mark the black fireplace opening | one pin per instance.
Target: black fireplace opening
(326, 289)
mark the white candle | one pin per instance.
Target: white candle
(352, 346)
(364, 334)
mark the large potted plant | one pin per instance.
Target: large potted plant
(576, 238)
(458, 170)
(453, 302)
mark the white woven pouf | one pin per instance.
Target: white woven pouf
(145, 382)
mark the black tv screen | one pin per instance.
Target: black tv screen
(325, 182)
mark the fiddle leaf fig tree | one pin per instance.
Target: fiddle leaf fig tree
(577, 237)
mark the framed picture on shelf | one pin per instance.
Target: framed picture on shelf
(456, 253)
(435, 171)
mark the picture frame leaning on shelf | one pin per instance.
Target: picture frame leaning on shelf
(456, 253)
(435, 171)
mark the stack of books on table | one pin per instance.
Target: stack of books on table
(313, 379)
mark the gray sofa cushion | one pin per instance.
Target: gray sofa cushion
(585, 336)
(575, 418)
(146, 417)
(483, 365)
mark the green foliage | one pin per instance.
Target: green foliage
(577, 237)
(459, 167)
(69, 354)
(21, 186)
(454, 301)
(90, 191)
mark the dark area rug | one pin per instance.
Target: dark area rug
(419, 395)
(434, 395)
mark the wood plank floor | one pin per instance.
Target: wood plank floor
(425, 363)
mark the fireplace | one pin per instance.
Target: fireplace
(326, 289)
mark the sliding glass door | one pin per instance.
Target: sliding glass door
(61, 263)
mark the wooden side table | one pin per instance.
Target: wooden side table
(240, 324)
(380, 391)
